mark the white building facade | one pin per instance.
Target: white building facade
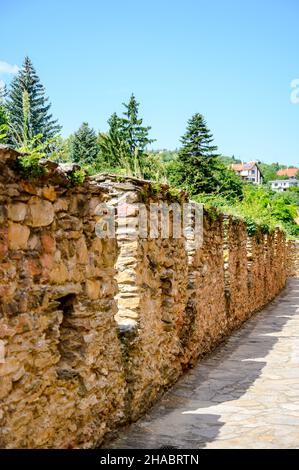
(283, 185)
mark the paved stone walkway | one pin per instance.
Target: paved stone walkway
(244, 395)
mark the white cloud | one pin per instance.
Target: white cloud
(8, 68)
(2, 84)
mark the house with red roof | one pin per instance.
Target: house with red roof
(289, 172)
(249, 171)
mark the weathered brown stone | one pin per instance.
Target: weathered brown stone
(3, 233)
(93, 289)
(7, 290)
(82, 252)
(5, 386)
(3, 214)
(33, 267)
(293, 258)
(49, 193)
(5, 330)
(59, 274)
(97, 246)
(9, 366)
(18, 236)
(34, 242)
(3, 250)
(17, 212)
(48, 243)
(28, 187)
(61, 205)
(41, 212)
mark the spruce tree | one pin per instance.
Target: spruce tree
(114, 123)
(134, 133)
(84, 146)
(40, 120)
(197, 158)
(125, 142)
(112, 144)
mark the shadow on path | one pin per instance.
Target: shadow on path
(186, 417)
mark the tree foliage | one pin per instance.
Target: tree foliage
(198, 167)
(26, 98)
(84, 146)
(197, 158)
(261, 206)
(114, 152)
(132, 130)
(3, 115)
(229, 160)
(125, 143)
(34, 150)
(154, 168)
(269, 171)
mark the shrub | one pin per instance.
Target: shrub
(78, 177)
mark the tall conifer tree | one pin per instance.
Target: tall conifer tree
(84, 149)
(197, 158)
(40, 122)
(134, 133)
(112, 146)
(125, 143)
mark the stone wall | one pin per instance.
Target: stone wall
(94, 330)
(62, 382)
(293, 258)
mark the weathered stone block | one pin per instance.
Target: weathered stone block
(49, 193)
(128, 303)
(33, 267)
(5, 386)
(82, 252)
(48, 243)
(18, 236)
(61, 205)
(93, 289)
(3, 250)
(41, 213)
(47, 261)
(59, 274)
(17, 212)
(10, 366)
(34, 242)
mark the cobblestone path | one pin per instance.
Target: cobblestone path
(244, 395)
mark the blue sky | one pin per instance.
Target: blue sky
(233, 61)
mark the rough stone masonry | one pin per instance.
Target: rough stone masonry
(94, 330)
